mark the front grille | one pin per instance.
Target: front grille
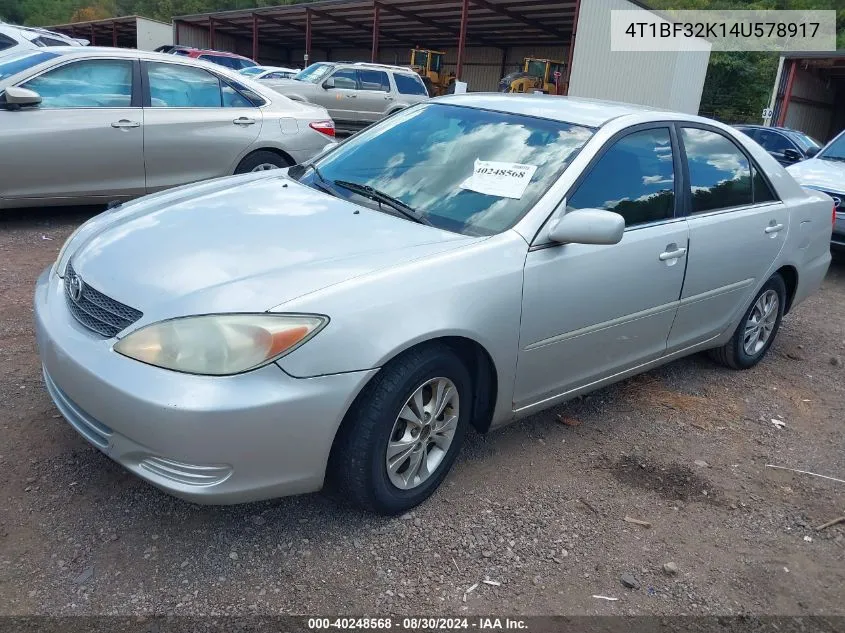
(96, 311)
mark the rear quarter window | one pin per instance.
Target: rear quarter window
(6, 42)
(409, 85)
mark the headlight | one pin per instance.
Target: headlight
(222, 344)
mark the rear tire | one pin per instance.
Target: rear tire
(377, 448)
(758, 328)
(262, 160)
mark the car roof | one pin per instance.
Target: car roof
(576, 110)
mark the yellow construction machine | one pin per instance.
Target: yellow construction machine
(428, 64)
(545, 75)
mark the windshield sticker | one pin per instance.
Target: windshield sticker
(505, 180)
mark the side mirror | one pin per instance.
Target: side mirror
(588, 226)
(328, 84)
(17, 98)
(792, 154)
(812, 151)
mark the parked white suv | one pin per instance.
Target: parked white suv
(17, 38)
(356, 94)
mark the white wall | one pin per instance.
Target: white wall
(670, 80)
(152, 34)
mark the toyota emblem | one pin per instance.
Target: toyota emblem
(837, 202)
(75, 288)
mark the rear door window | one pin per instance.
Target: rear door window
(92, 83)
(6, 42)
(374, 80)
(409, 85)
(720, 175)
(179, 86)
(634, 178)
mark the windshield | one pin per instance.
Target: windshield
(835, 150)
(251, 70)
(314, 73)
(537, 69)
(15, 64)
(804, 142)
(434, 159)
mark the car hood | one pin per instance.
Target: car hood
(243, 247)
(820, 174)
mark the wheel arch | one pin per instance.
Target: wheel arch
(266, 148)
(790, 277)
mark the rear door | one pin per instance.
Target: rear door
(197, 125)
(83, 141)
(374, 96)
(737, 228)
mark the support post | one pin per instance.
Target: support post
(255, 37)
(176, 32)
(571, 47)
(787, 95)
(93, 40)
(504, 62)
(462, 37)
(374, 53)
(211, 33)
(114, 34)
(307, 37)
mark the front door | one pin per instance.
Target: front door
(195, 126)
(342, 100)
(737, 229)
(375, 96)
(592, 311)
(83, 141)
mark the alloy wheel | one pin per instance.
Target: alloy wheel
(761, 322)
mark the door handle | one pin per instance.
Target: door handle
(244, 121)
(774, 228)
(388, 98)
(676, 254)
(351, 96)
(125, 123)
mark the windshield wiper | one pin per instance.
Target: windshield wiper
(382, 198)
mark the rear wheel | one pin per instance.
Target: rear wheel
(404, 431)
(262, 160)
(756, 332)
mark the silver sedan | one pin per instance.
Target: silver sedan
(82, 125)
(464, 263)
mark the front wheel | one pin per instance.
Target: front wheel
(756, 332)
(404, 431)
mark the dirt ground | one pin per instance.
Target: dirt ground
(538, 507)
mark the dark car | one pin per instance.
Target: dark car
(788, 146)
(221, 58)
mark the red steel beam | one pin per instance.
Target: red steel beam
(374, 53)
(211, 33)
(93, 39)
(176, 34)
(462, 37)
(114, 34)
(254, 36)
(788, 94)
(307, 36)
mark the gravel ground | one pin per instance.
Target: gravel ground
(539, 508)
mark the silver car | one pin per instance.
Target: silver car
(92, 125)
(465, 263)
(356, 94)
(15, 39)
(826, 172)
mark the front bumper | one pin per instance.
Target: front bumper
(206, 439)
(838, 237)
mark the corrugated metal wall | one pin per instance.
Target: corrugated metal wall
(672, 80)
(814, 116)
(482, 65)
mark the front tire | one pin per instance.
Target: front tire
(404, 431)
(262, 160)
(756, 332)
